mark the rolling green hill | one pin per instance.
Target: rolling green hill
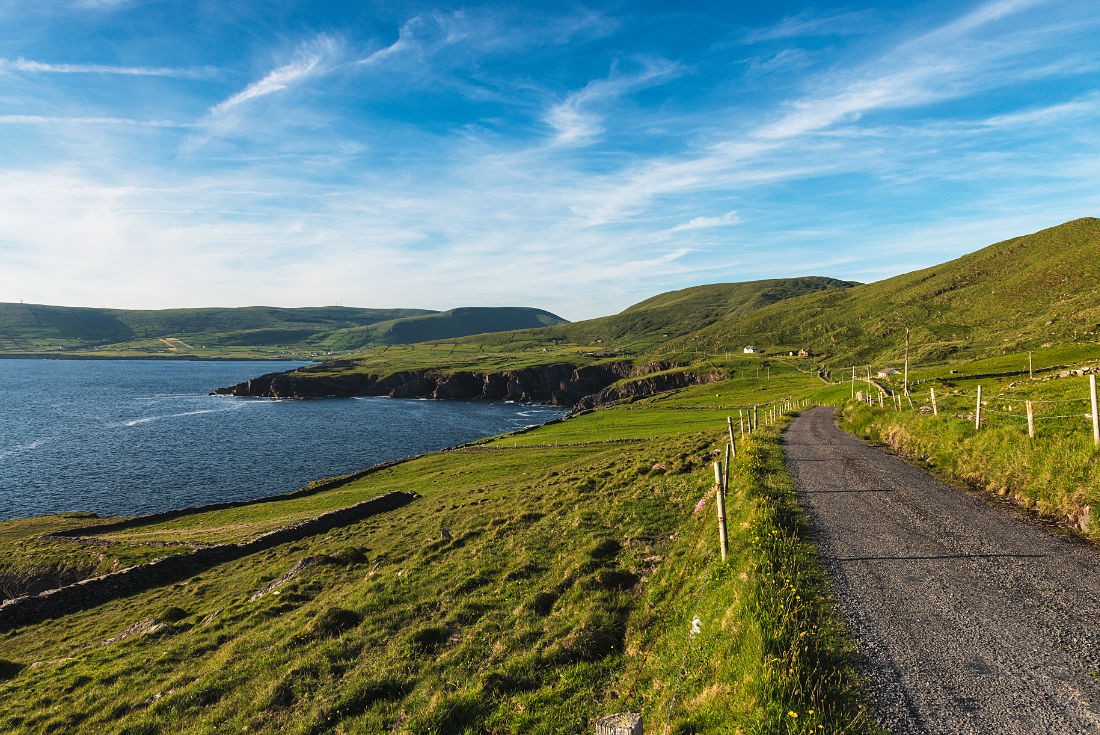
(38, 329)
(450, 324)
(1019, 294)
(681, 312)
(636, 334)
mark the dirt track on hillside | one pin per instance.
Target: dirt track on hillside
(969, 619)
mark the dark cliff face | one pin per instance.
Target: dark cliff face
(644, 386)
(560, 384)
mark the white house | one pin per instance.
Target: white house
(750, 350)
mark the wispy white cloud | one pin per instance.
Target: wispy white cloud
(986, 13)
(703, 223)
(59, 120)
(1087, 106)
(929, 69)
(533, 164)
(576, 119)
(409, 37)
(312, 59)
(102, 4)
(30, 66)
(808, 23)
(784, 60)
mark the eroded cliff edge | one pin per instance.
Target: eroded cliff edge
(560, 384)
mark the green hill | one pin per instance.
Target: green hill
(638, 333)
(681, 312)
(1014, 295)
(450, 324)
(37, 328)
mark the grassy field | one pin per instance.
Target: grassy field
(541, 581)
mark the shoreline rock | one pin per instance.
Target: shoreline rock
(559, 384)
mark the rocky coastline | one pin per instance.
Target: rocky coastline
(559, 384)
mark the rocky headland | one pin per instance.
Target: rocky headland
(559, 384)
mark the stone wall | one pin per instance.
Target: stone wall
(97, 590)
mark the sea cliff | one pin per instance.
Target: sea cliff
(560, 384)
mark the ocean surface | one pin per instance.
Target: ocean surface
(122, 437)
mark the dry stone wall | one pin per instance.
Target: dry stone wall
(97, 590)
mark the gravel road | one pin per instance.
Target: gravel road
(969, 618)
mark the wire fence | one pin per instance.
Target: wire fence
(1056, 415)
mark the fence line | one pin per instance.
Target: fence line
(1003, 406)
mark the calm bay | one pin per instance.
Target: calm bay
(122, 437)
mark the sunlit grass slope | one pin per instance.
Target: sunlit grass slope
(541, 581)
(635, 334)
(1019, 294)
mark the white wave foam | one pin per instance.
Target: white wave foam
(30, 447)
(182, 414)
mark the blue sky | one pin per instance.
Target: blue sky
(575, 157)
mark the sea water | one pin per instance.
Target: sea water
(122, 437)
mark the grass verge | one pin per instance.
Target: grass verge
(1056, 474)
(767, 654)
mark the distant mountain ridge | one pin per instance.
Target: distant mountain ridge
(35, 328)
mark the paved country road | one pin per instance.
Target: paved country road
(969, 618)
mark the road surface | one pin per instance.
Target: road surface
(969, 619)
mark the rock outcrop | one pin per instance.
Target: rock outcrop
(561, 384)
(648, 385)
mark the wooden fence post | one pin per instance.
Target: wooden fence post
(729, 423)
(1030, 421)
(741, 418)
(978, 410)
(626, 723)
(1095, 417)
(935, 411)
(721, 504)
(726, 470)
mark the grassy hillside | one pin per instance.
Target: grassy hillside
(676, 313)
(244, 332)
(450, 324)
(1019, 294)
(540, 581)
(637, 333)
